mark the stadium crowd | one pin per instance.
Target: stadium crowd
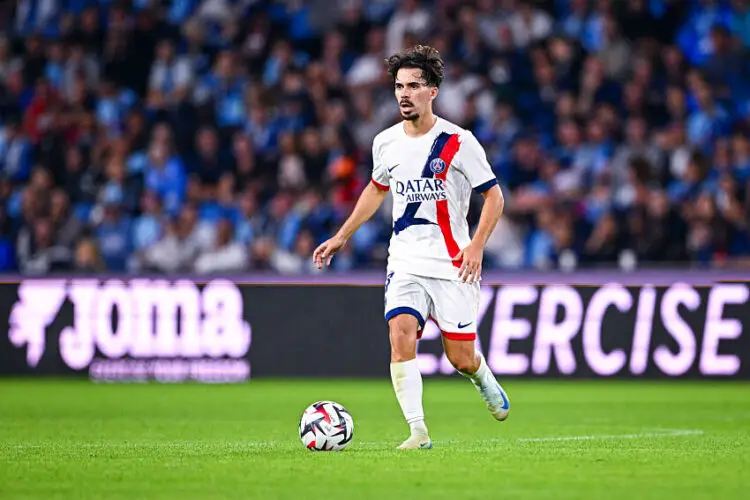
(234, 135)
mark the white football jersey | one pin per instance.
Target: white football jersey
(431, 178)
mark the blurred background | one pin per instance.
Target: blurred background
(187, 138)
(210, 136)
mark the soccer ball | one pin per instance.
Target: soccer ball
(326, 426)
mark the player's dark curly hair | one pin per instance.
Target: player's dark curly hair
(421, 57)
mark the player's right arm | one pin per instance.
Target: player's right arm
(369, 202)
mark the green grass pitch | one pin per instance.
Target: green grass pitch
(563, 440)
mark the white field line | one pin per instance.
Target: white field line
(164, 444)
(654, 433)
(639, 435)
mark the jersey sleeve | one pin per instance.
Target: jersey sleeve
(381, 178)
(472, 161)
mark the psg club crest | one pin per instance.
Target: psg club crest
(437, 166)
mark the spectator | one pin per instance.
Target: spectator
(225, 255)
(410, 17)
(709, 120)
(529, 24)
(635, 145)
(367, 68)
(540, 245)
(184, 238)
(87, 258)
(37, 252)
(573, 23)
(169, 254)
(296, 261)
(15, 151)
(615, 52)
(740, 21)
(248, 222)
(113, 232)
(7, 250)
(170, 78)
(148, 227)
(163, 139)
(209, 163)
(68, 228)
(165, 175)
(741, 156)
(602, 246)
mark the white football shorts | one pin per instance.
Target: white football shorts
(453, 305)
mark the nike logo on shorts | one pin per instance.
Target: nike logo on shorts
(465, 324)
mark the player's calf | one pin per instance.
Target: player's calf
(464, 360)
(472, 365)
(406, 378)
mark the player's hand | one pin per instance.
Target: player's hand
(324, 253)
(471, 266)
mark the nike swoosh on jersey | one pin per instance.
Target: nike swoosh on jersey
(394, 166)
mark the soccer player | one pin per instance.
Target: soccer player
(434, 267)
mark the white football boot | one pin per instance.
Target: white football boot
(496, 400)
(416, 442)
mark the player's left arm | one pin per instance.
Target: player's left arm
(474, 164)
(471, 266)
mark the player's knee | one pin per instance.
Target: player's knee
(404, 325)
(403, 333)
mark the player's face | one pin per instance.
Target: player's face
(413, 94)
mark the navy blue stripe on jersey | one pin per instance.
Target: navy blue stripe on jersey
(485, 186)
(408, 218)
(435, 152)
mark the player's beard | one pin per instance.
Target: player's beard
(411, 114)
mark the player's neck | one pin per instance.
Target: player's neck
(420, 126)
